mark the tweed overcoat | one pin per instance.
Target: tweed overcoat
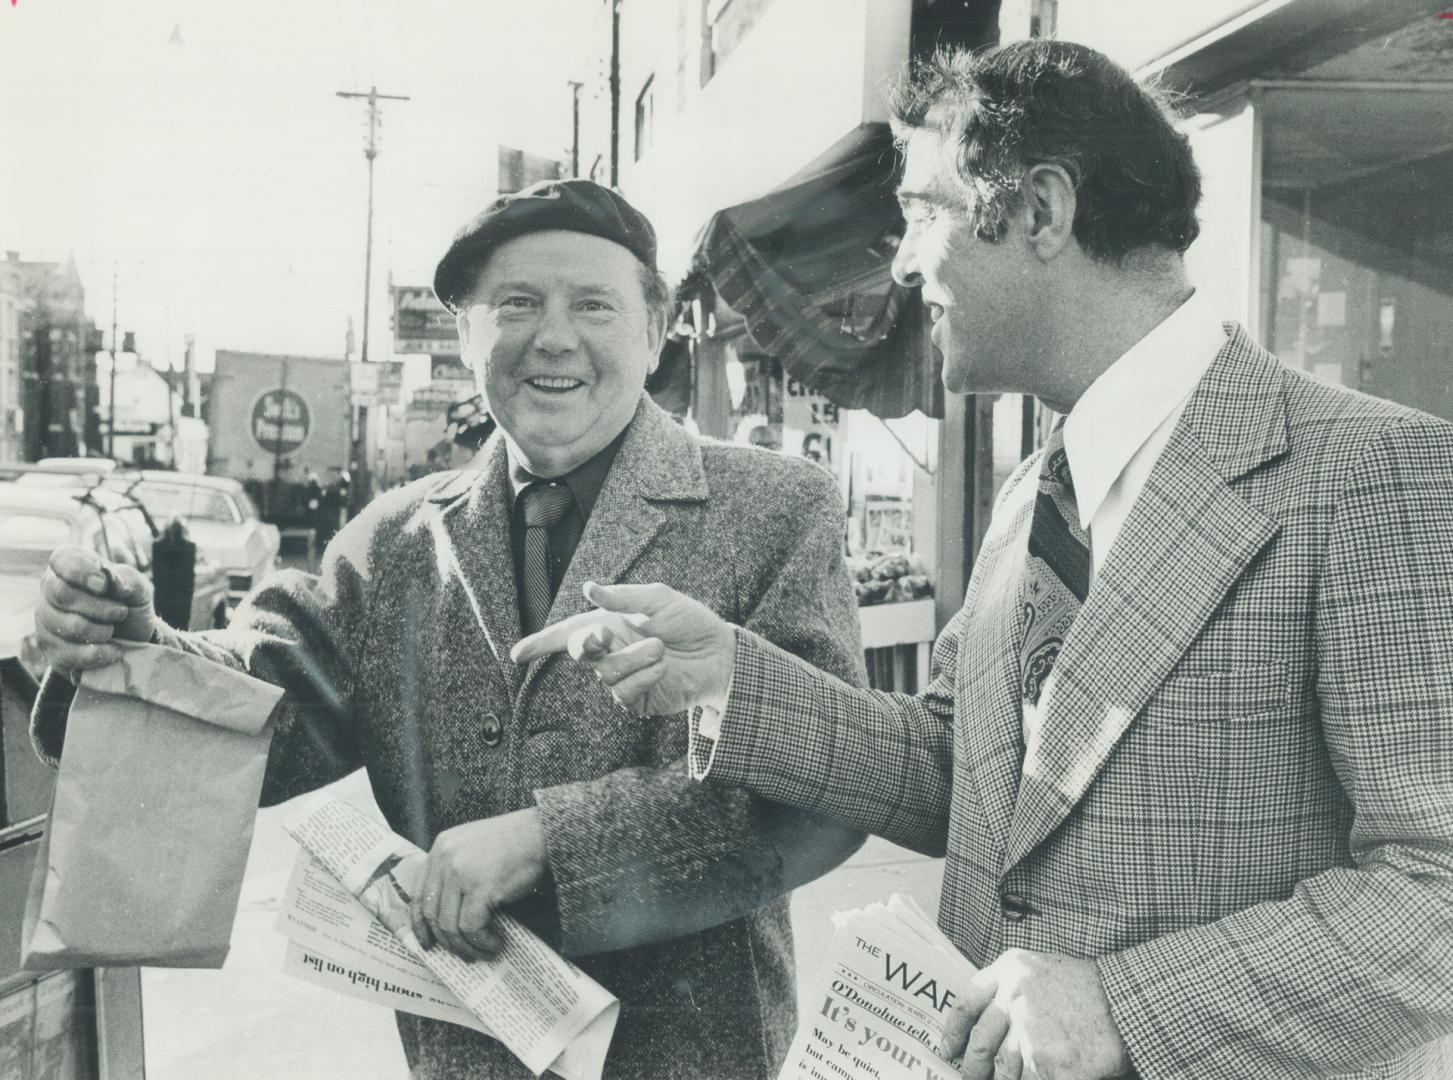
(1242, 798)
(396, 659)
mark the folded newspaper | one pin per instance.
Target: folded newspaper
(879, 1001)
(346, 917)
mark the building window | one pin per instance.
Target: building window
(645, 116)
(1356, 242)
(726, 24)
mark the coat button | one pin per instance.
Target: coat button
(1015, 907)
(492, 730)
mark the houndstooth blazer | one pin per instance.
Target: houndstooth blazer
(397, 659)
(1242, 803)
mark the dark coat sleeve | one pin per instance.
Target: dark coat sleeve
(297, 631)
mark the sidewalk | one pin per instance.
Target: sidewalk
(248, 1021)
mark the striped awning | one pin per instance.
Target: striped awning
(807, 267)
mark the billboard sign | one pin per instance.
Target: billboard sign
(421, 323)
(280, 421)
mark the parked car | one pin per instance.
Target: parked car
(220, 517)
(37, 519)
(222, 520)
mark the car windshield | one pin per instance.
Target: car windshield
(26, 540)
(165, 501)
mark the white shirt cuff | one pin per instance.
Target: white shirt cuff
(705, 726)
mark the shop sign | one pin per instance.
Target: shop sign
(806, 411)
(363, 385)
(390, 382)
(136, 427)
(434, 397)
(422, 324)
(280, 421)
(448, 370)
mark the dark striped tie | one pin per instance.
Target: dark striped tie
(545, 504)
(1057, 574)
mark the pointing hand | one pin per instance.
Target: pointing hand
(658, 650)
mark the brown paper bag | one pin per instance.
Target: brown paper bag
(152, 816)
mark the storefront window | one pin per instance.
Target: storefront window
(1356, 240)
(885, 470)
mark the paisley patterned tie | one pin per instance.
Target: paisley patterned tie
(1057, 574)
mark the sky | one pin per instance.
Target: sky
(197, 152)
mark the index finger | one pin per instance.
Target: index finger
(556, 637)
(81, 569)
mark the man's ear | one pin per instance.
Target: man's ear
(461, 326)
(1049, 209)
(655, 341)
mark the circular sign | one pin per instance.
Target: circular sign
(280, 421)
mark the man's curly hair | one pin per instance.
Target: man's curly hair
(1003, 111)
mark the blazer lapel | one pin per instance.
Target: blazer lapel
(992, 745)
(476, 549)
(658, 462)
(1188, 538)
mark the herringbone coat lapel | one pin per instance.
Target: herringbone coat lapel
(476, 521)
(1189, 537)
(658, 461)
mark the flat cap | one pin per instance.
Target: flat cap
(577, 205)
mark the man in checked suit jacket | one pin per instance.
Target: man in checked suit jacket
(530, 780)
(1202, 824)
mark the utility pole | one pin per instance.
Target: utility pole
(192, 398)
(360, 484)
(574, 126)
(277, 447)
(615, 92)
(373, 97)
(115, 358)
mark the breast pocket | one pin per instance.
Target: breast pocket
(1246, 694)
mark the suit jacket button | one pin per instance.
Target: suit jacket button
(492, 730)
(1015, 907)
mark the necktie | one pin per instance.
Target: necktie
(1057, 575)
(545, 504)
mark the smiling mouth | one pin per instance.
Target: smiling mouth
(554, 384)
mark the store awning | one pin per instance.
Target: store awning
(807, 267)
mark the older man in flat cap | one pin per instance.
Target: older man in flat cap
(528, 785)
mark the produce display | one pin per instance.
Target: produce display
(889, 579)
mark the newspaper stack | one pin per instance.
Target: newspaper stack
(880, 999)
(346, 917)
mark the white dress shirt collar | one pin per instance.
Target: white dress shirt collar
(1134, 396)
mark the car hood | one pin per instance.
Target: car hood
(231, 546)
